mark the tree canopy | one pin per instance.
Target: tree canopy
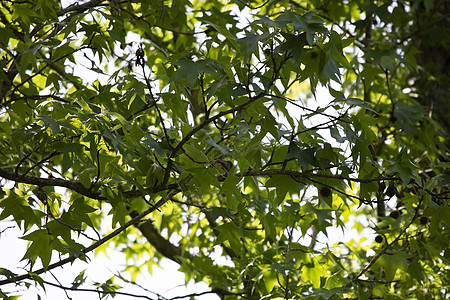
(178, 129)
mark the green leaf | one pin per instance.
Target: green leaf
(67, 147)
(223, 149)
(268, 223)
(360, 103)
(308, 22)
(444, 180)
(149, 141)
(305, 157)
(250, 42)
(7, 273)
(229, 232)
(283, 185)
(80, 211)
(37, 279)
(79, 280)
(392, 262)
(405, 169)
(191, 69)
(217, 212)
(17, 206)
(438, 217)
(176, 104)
(331, 71)
(192, 151)
(314, 275)
(33, 48)
(294, 44)
(155, 175)
(334, 132)
(321, 214)
(40, 246)
(416, 271)
(335, 259)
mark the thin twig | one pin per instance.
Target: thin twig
(379, 254)
(98, 291)
(147, 81)
(86, 250)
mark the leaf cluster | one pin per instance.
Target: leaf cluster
(200, 123)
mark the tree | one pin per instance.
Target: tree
(199, 131)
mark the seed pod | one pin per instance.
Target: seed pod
(394, 214)
(391, 190)
(379, 239)
(325, 192)
(223, 166)
(423, 220)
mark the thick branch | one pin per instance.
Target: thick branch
(161, 244)
(72, 185)
(311, 175)
(76, 186)
(79, 8)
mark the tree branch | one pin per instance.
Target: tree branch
(95, 245)
(76, 186)
(72, 185)
(197, 128)
(79, 8)
(379, 254)
(100, 292)
(311, 175)
(161, 244)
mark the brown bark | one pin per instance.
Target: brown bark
(432, 78)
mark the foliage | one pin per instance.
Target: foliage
(187, 123)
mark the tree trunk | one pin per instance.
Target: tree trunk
(432, 78)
